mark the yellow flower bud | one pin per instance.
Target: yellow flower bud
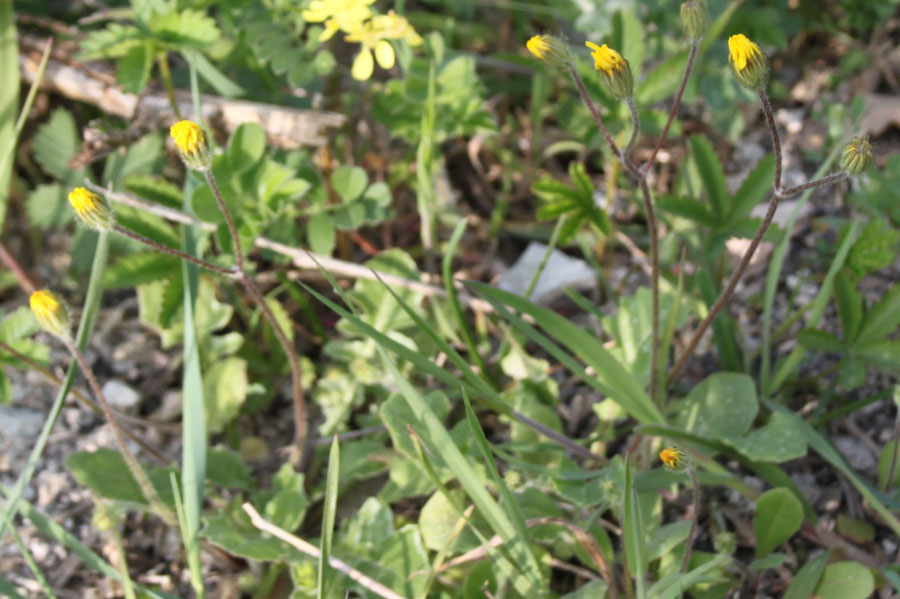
(50, 312)
(191, 145)
(673, 458)
(92, 209)
(694, 18)
(550, 50)
(748, 62)
(857, 156)
(614, 70)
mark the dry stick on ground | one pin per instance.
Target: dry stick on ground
(85, 400)
(777, 193)
(311, 550)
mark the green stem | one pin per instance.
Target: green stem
(163, 61)
(551, 245)
(689, 543)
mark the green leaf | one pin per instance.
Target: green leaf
(846, 580)
(246, 146)
(663, 81)
(633, 531)
(154, 189)
(135, 269)
(882, 319)
(753, 190)
(666, 538)
(821, 341)
(890, 453)
(56, 143)
(687, 208)
(766, 563)
(806, 579)
(133, 70)
(711, 174)
(884, 355)
(777, 441)
(876, 248)
(186, 29)
(105, 472)
(225, 390)
(778, 516)
(47, 206)
(849, 304)
(723, 406)
(112, 42)
(595, 589)
(851, 372)
(349, 182)
(329, 512)
(225, 468)
(320, 234)
(236, 535)
(216, 78)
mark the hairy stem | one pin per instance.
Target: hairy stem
(139, 475)
(174, 252)
(687, 72)
(635, 126)
(232, 229)
(654, 286)
(832, 178)
(689, 543)
(776, 141)
(597, 118)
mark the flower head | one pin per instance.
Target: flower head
(673, 458)
(338, 15)
(857, 156)
(191, 145)
(694, 18)
(91, 209)
(550, 50)
(614, 70)
(373, 37)
(748, 62)
(50, 312)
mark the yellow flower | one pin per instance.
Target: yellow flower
(550, 50)
(857, 156)
(338, 15)
(614, 70)
(748, 62)
(50, 312)
(673, 458)
(373, 37)
(191, 144)
(91, 209)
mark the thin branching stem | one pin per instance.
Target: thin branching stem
(654, 285)
(232, 229)
(136, 470)
(230, 272)
(776, 141)
(832, 178)
(597, 118)
(635, 126)
(695, 515)
(662, 138)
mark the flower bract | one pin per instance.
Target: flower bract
(748, 62)
(191, 144)
(857, 156)
(614, 70)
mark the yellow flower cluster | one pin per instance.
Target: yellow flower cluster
(361, 25)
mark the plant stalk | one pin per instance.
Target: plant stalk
(229, 272)
(166, 74)
(687, 72)
(689, 543)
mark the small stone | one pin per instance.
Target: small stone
(561, 271)
(857, 455)
(806, 481)
(120, 396)
(20, 424)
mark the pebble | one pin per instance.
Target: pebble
(857, 455)
(120, 396)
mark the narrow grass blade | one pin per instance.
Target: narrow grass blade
(329, 511)
(85, 328)
(807, 578)
(674, 586)
(8, 589)
(9, 97)
(635, 544)
(29, 559)
(617, 382)
(792, 362)
(527, 582)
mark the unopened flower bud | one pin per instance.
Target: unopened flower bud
(673, 458)
(50, 312)
(694, 18)
(748, 62)
(615, 72)
(550, 50)
(92, 209)
(191, 145)
(857, 156)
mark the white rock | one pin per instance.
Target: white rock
(120, 396)
(857, 455)
(20, 424)
(560, 272)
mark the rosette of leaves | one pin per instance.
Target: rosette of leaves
(576, 201)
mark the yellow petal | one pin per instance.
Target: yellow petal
(363, 65)
(384, 54)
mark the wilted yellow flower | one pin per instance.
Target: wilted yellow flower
(614, 70)
(857, 156)
(373, 37)
(50, 312)
(673, 458)
(191, 144)
(338, 15)
(748, 62)
(550, 50)
(92, 209)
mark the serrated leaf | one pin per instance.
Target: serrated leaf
(821, 341)
(711, 174)
(687, 208)
(778, 516)
(135, 269)
(185, 29)
(56, 143)
(875, 248)
(133, 70)
(882, 354)
(47, 207)
(114, 41)
(882, 319)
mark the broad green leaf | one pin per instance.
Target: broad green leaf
(778, 516)
(772, 560)
(133, 70)
(329, 511)
(711, 173)
(154, 189)
(804, 583)
(225, 468)
(246, 146)
(821, 341)
(136, 269)
(753, 190)
(882, 354)
(105, 472)
(47, 206)
(666, 538)
(235, 534)
(849, 304)
(349, 182)
(321, 234)
(723, 406)
(777, 441)
(184, 29)
(225, 390)
(216, 78)
(881, 319)
(687, 208)
(846, 580)
(112, 42)
(595, 589)
(56, 143)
